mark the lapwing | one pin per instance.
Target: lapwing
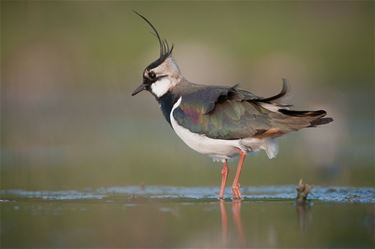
(217, 121)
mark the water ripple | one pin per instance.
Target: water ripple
(263, 193)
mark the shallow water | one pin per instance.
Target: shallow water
(155, 216)
(324, 194)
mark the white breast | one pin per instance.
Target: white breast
(219, 149)
(216, 148)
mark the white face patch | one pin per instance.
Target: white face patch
(161, 87)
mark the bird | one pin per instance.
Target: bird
(222, 122)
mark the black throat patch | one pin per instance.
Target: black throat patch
(166, 104)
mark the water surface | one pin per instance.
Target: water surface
(155, 216)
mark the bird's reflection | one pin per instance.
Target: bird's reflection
(236, 216)
(232, 230)
(224, 223)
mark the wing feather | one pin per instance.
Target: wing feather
(230, 113)
(221, 114)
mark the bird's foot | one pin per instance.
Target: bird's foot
(236, 193)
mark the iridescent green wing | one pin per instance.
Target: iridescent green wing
(223, 113)
(230, 113)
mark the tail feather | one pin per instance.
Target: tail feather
(320, 113)
(320, 121)
(300, 119)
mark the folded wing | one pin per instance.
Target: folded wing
(231, 113)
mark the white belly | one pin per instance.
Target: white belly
(218, 149)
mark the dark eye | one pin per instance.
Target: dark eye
(152, 75)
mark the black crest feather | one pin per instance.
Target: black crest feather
(165, 50)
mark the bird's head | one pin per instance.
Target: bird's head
(163, 73)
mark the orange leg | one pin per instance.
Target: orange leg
(236, 185)
(224, 174)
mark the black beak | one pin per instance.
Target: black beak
(139, 89)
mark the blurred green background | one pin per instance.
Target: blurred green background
(68, 68)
